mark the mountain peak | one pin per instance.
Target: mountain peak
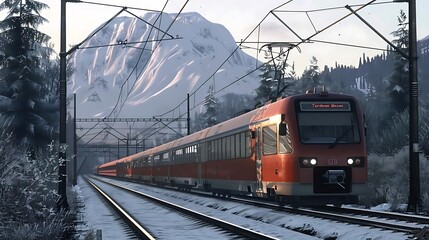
(154, 75)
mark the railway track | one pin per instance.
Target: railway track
(418, 219)
(413, 225)
(229, 228)
(139, 231)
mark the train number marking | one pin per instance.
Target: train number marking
(332, 162)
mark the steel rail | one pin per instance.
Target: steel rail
(132, 223)
(241, 231)
(358, 220)
(372, 213)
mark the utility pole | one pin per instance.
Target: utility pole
(414, 198)
(74, 142)
(62, 168)
(62, 164)
(188, 118)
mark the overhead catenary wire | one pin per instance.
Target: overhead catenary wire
(138, 61)
(118, 6)
(217, 69)
(164, 33)
(75, 47)
(303, 40)
(156, 46)
(330, 8)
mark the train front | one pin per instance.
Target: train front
(329, 149)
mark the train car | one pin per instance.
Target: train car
(141, 167)
(107, 169)
(310, 149)
(300, 150)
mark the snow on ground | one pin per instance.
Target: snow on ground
(269, 222)
(97, 215)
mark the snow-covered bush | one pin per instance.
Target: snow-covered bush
(388, 179)
(395, 134)
(424, 182)
(393, 137)
(28, 194)
(389, 161)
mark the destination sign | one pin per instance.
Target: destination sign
(325, 106)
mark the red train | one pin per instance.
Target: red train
(301, 150)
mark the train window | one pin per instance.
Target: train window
(247, 143)
(202, 150)
(237, 145)
(232, 146)
(165, 158)
(194, 153)
(228, 148)
(223, 149)
(156, 160)
(285, 143)
(209, 151)
(330, 127)
(269, 139)
(242, 145)
(214, 150)
(219, 150)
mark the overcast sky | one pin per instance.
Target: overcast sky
(240, 17)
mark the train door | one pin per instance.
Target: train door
(258, 161)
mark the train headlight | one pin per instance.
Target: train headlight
(356, 161)
(306, 162)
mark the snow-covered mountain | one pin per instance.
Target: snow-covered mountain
(158, 78)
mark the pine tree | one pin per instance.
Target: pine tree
(198, 122)
(267, 86)
(398, 89)
(26, 108)
(311, 76)
(289, 82)
(211, 104)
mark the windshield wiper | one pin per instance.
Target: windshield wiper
(342, 136)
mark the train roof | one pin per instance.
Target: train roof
(111, 163)
(322, 95)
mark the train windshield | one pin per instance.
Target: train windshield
(327, 123)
